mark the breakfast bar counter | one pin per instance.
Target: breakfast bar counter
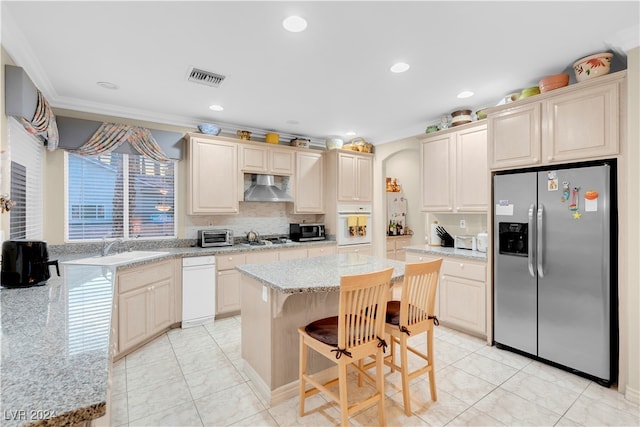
(279, 297)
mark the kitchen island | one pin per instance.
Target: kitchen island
(279, 297)
(55, 349)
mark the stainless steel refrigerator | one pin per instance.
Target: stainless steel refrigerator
(555, 274)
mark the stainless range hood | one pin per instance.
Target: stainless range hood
(264, 189)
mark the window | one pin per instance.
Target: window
(26, 153)
(119, 196)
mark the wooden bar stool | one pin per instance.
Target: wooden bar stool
(357, 332)
(412, 315)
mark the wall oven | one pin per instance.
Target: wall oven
(354, 225)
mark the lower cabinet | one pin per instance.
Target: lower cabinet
(146, 302)
(228, 283)
(322, 251)
(461, 296)
(356, 249)
(395, 245)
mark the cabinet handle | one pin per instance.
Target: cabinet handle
(461, 265)
(550, 158)
(535, 159)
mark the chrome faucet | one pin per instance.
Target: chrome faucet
(107, 246)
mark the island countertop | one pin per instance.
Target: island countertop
(55, 348)
(318, 274)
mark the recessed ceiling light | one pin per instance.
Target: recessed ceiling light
(350, 133)
(107, 85)
(295, 24)
(292, 122)
(399, 67)
(465, 94)
(216, 107)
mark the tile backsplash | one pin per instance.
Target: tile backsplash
(265, 218)
(474, 223)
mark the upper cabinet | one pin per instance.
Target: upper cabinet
(351, 173)
(309, 182)
(212, 177)
(454, 170)
(577, 122)
(265, 159)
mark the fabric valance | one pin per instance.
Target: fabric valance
(110, 136)
(43, 123)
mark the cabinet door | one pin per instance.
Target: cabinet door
(228, 291)
(133, 318)
(309, 183)
(514, 137)
(254, 159)
(347, 189)
(282, 162)
(462, 303)
(212, 180)
(472, 176)
(321, 251)
(436, 164)
(582, 124)
(364, 178)
(356, 249)
(162, 305)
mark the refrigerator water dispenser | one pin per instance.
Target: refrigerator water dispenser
(513, 238)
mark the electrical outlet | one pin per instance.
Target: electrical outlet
(463, 224)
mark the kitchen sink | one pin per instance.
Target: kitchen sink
(118, 259)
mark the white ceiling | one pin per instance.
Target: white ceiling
(330, 79)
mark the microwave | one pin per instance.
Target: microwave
(306, 232)
(215, 237)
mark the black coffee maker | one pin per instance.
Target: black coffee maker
(25, 263)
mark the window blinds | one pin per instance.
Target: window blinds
(119, 196)
(26, 153)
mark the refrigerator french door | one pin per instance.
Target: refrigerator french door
(554, 276)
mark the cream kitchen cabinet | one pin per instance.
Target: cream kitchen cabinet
(228, 283)
(265, 159)
(145, 303)
(395, 245)
(350, 176)
(287, 254)
(356, 249)
(212, 176)
(228, 278)
(322, 251)
(461, 296)
(577, 122)
(454, 171)
(309, 182)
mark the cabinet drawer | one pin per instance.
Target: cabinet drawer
(228, 262)
(464, 269)
(142, 276)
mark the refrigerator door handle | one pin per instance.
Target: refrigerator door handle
(539, 241)
(530, 244)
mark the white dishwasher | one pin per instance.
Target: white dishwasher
(198, 290)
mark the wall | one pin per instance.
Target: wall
(264, 218)
(631, 273)
(5, 172)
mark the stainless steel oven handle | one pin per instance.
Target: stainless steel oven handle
(539, 241)
(531, 238)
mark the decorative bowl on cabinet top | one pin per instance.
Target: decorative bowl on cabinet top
(592, 66)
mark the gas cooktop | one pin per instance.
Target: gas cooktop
(269, 241)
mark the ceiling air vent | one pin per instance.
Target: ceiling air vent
(206, 77)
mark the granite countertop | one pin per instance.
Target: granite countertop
(452, 252)
(55, 348)
(54, 365)
(319, 274)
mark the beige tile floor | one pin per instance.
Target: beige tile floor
(193, 377)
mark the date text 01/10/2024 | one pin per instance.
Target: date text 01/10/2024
(27, 415)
